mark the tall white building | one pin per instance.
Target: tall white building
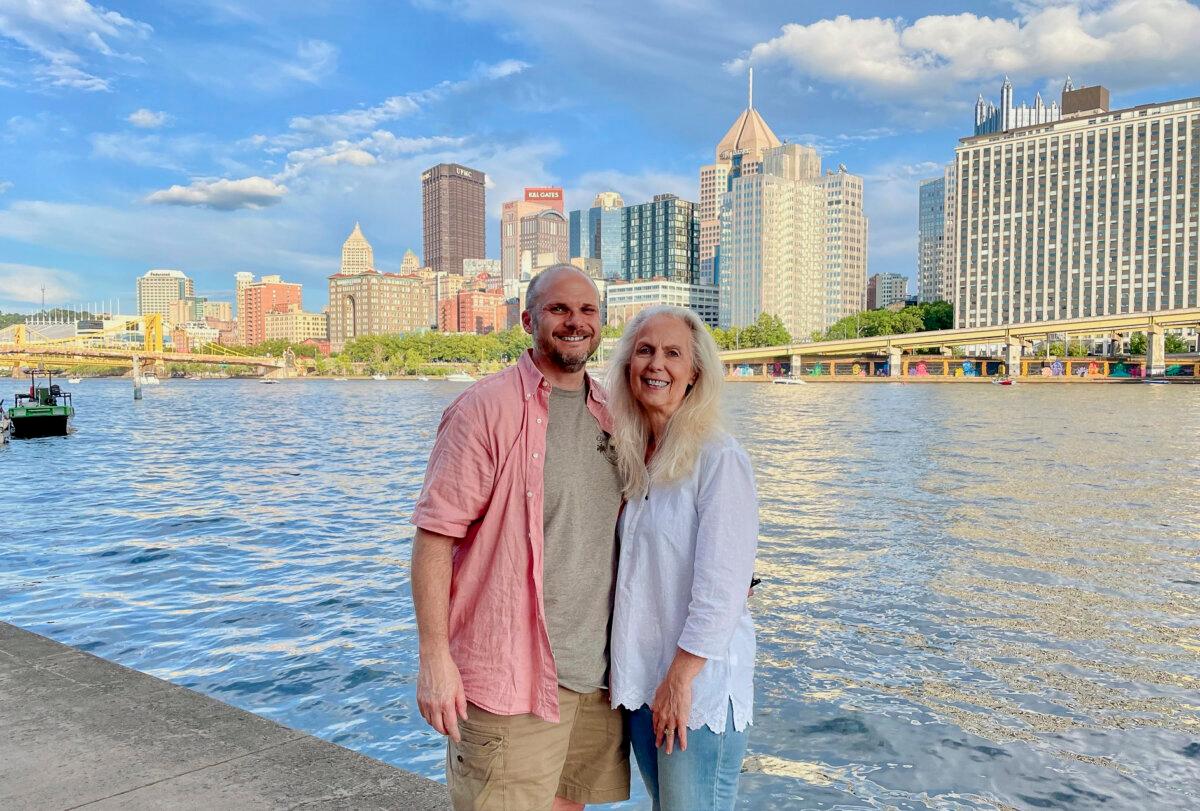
(157, 289)
(886, 289)
(241, 281)
(743, 144)
(1094, 214)
(357, 254)
(935, 237)
(846, 245)
(772, 256)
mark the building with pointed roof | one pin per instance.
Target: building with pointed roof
(990, 118)
(410, 263)
(743, 144)
(357, 254)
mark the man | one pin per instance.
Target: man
(513, 572)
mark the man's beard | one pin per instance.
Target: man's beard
(569, 365)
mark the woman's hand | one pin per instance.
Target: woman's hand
(672, 705)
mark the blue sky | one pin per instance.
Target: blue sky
(216, 136)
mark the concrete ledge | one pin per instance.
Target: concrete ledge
(79, 731)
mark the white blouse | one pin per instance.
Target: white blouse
(687, 556)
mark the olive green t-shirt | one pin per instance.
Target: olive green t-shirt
(582, 499)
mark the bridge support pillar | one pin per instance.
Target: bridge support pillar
(1012, 359)
(797, 365)
(895, 362)
(1156, 352)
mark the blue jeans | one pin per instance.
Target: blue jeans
(703, 778)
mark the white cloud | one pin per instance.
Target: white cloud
(633, 188)
(23, 283)
(5, 185)
(64, 33)
(223, 195)
(148, 119)
(352, 122)
(380, 145)
(314, 60)
(1126, 43)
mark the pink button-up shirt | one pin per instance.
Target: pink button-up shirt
(484, 485)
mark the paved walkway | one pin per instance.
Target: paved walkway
(78, 731)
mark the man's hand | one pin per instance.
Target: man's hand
(440, 695)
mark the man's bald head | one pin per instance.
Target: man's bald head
(541, 282)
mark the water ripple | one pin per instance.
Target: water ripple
(972, 598)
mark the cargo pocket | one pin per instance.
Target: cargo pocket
(474, 761)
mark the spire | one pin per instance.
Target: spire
(750, 101)
(1067, 85)
(1007, 83)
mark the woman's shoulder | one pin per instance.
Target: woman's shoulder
(721, 446)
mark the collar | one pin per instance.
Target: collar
(532, 378)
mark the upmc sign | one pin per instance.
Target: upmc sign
(546, 195)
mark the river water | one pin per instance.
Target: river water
(973, 597)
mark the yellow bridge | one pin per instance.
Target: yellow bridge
(890, 355)
(120, 343)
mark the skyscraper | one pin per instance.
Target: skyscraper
(453, 216)
(357, 255)
(156, 289)
(512, 214)
(935, 273)
(596, 233)
(772, 244)
(241, 281)
(747, 139)
(661, 240)
(846, 245)
(409, 263)
(1094, 214)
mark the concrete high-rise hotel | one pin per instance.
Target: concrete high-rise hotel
(453, 216)
(1092, 214)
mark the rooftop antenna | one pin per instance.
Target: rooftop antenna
(751, 103)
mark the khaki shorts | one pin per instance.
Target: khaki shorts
(520, 762)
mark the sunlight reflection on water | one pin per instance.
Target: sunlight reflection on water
(972, 598)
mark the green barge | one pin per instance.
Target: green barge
(42, 411)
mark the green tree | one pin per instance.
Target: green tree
(1137, 343)
(1176, 345)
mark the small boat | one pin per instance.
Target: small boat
(74, 380)
(423, 378)
(266, 381)
(790, 381)
(1160, 381)
(460, 377)
(1004, 381)
(42, 411)
(149, 380)
(378, 376)
(339, 380)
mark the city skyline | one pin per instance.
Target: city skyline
(228, 139)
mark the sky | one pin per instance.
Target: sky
(215, 136)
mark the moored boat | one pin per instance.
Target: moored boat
(790, 381)
(460, 377)
(378, 376)
(42, 411)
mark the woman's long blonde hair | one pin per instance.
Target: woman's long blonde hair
(698, 417)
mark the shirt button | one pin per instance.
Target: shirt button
(539, 419)
(528, 494)
(527, 395)
(535, 454)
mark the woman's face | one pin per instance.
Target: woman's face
(661, 368)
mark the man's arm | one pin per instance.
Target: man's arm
(440, 695)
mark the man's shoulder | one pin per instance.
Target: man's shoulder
(491, 396)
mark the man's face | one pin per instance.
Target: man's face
(566, 323)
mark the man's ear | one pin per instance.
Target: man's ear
(527, 321)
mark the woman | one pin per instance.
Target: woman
(682, 652)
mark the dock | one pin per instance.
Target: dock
(77, 731)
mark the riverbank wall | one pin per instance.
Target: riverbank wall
(79, 730)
